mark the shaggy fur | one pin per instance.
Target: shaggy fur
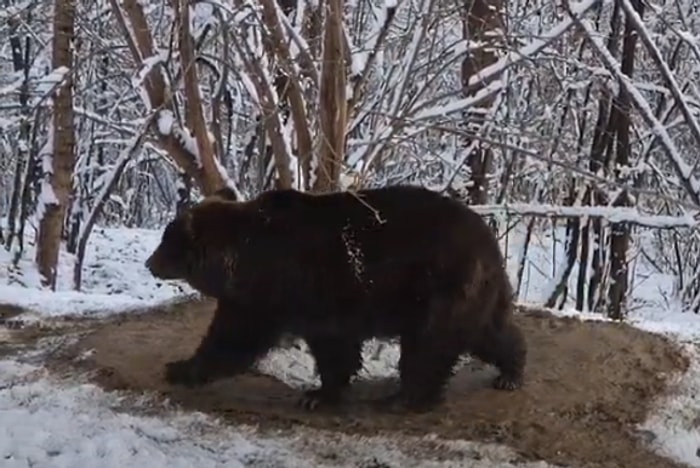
(337, 269)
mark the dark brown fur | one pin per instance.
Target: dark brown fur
(336, 269)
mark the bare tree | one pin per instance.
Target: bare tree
(333, 102)
(481, 24)
(58, 159)
(187, 142)
(21, 62)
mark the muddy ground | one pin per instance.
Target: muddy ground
(588, 385)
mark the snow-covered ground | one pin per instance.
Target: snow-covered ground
(114, 277)
(46, 423)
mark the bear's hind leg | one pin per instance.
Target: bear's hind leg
(338, 359)
(233, 342)
(505, 348)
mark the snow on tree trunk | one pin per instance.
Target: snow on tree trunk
(288, 84)
(20, 61)
(58, 162)
(188, 144)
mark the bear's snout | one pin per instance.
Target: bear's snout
(162, 267)
(150, 265)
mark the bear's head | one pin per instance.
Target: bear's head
(200, 246)
(180, 246)
(172, 258)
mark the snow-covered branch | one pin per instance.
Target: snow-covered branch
(610, 214)
(489, 73)
(682, 169)
(663, 67)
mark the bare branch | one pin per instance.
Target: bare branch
(682, 169)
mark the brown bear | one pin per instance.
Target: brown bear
(336, 269)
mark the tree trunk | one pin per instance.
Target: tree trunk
(198, 162)
(333, 101)
(480, 22)
(591, 231)
(620, 235)
(58, 167)
(20, 61)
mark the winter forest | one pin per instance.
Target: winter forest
(573, 127)
(572, 120)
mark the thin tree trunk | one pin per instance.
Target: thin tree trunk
(200, 163)
(602, 140)
(333, 101)
(620, 236)
(20, 61)
(58, 167)
(480, 23)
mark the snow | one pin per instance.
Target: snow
(46, 84)
(188, 141)
(674, 422)
(608, 213)
(166, 121)
(47, 196)
(681, 99)
(12, 10)
(114, 277)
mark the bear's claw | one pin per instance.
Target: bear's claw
(510, 384)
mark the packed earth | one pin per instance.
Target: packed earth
(81, 382)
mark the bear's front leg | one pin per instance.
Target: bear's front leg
(337, 360)
(234, 341)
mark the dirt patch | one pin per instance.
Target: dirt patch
(588, 385)
(18, 336)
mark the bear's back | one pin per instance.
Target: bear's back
(395, 223)
(389, 229)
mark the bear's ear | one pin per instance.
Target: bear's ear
(226, 193)
(187, 223)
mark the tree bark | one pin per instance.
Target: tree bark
(20, 61)
(58, 167)
(480, 23)
(201, 166)
(332, 100)
(620, 235)
(591, 231)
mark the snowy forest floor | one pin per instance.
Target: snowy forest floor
(590, 385)
(81, 384)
